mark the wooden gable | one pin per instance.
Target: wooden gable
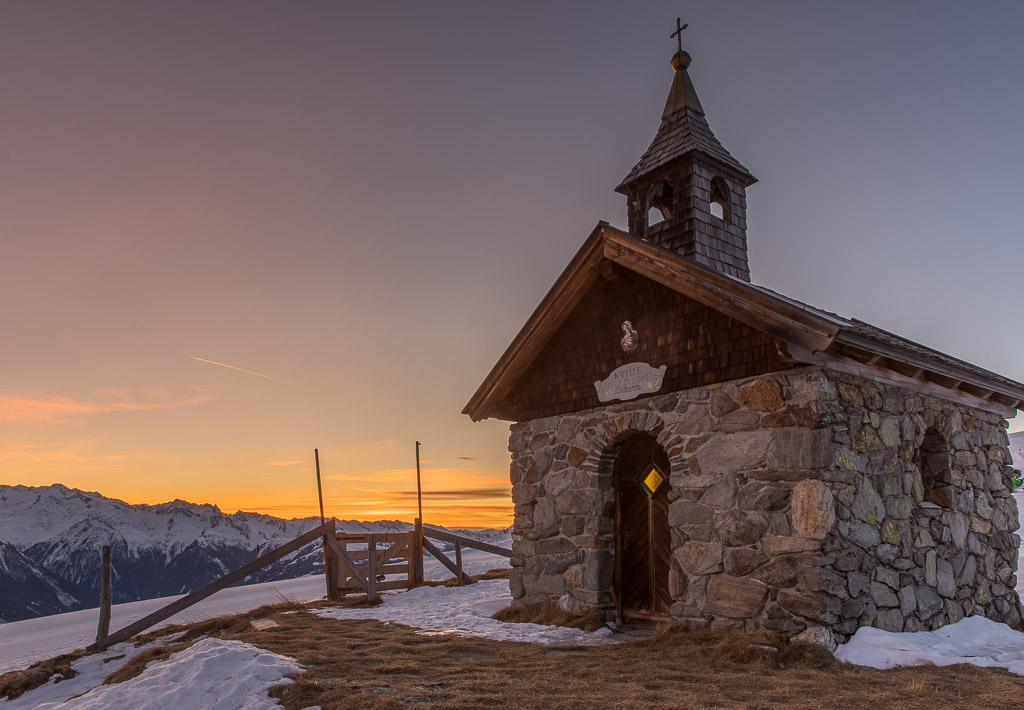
(705, 326)
(698, 344)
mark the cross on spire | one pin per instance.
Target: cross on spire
(678, 34)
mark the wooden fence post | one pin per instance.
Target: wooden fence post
(371, 568)
(458, 561)
(106, 595)
(418, 551)
(331, 571)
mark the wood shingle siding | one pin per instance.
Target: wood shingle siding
(699, 345)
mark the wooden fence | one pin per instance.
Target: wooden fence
(354, 563)
(325, 531)
(374, 563)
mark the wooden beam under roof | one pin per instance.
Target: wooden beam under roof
(942, 369)
(833, 359)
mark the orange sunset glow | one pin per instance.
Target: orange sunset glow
(233, 233)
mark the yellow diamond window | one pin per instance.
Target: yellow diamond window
(652, 480)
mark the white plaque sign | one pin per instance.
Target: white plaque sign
(630, 381)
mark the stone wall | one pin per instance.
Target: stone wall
(743, 556)
(796, 500)
(903, 555)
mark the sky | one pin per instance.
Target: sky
(359, 204)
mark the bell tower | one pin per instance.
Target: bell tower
(687, 193)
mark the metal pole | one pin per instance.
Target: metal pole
(332, 591)
(419, 489)
(319, 488)
(419, 521)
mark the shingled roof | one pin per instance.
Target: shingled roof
(684, 130)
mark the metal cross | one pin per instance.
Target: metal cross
(678, 34)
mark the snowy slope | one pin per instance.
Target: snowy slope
(25, 642)
(156, 550)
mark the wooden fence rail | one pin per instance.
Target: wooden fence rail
(412, 545)
(466, 542)
(166, 612)
(460, 541)
(342, 571)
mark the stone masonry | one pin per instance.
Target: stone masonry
(804, 498)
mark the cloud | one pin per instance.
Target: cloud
(482, 492)
(50, 408)
(468, 458)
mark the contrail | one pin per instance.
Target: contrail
(232, 367)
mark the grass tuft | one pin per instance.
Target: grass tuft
(16, 683)
(549, 614)
(764, 648)
(136, 665)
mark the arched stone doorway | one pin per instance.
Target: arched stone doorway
(643, 541)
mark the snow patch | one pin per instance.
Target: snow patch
(466, 611)
(91, 670)
(974, 639)
(212, 673)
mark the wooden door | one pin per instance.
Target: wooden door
(643, 543)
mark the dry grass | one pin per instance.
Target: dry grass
(187, 634)
(369, 665)
(138, 663)
(236, 623)
(763, 649)
(15, 683)
(549, 614)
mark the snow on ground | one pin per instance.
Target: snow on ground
(466, 611)
(212, 673)
(974, 639)
(217, 673)
(91, 671)
(22, 643)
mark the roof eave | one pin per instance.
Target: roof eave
(954, 376)
(539, 326)
(743, 175)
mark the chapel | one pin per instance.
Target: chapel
(689, 446)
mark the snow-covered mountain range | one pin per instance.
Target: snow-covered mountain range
(50, 541)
